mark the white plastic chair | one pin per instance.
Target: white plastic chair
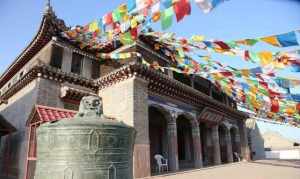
(161, 162)
(237, 156)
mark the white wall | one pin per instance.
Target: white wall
(291, 154)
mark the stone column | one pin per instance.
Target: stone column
(128, 101)
(172, 142)
(204, 146)
(238, 142)
(197, 144)
(245, 152)
(216, 145)
(228, 146)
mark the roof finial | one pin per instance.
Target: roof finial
(48, 8)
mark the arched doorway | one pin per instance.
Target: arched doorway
(223, 144)
(185, 142)
(235, 143)
(158, 135)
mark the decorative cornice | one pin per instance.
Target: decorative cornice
(74, 94)
(162, 84)
(158, 83)
(47, 72)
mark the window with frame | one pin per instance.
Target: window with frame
(217, 96)
(185, 79)
(56, 56)
(77, 63)
(198, 86)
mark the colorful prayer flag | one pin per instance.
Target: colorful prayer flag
(155, 11)
(131, 4)
(93, 26)
(288, 39)
(167, 3)
(108, 19)
(126, 38)
(166, 18)
(272, 40)
(215, 3)
(181, 9)
(274, 105)
(265, 57)
(205, 5)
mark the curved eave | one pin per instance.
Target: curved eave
(45, 32)
(47, 72)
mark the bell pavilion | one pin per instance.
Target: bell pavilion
(183, 118)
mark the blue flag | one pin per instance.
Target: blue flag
(287, 39)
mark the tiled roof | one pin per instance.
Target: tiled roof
(46, 113)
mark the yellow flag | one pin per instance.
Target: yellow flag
(93, 26)
(134, 23)
(265, 57)
(245, 72)
(253, 89)
(126, 18)
(271, 40)
(123, 8)
(198, 38)
(217, 76)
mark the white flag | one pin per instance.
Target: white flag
(205, 5)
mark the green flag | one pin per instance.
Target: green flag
(126, 38)
(167, 17)
(116, 15)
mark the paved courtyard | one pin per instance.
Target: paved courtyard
(262, 169)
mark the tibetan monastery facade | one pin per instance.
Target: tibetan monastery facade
(184, 118)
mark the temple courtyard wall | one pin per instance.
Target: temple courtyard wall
(17, 110)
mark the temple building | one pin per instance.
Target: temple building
(186, 119)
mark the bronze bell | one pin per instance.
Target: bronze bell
(88, 146)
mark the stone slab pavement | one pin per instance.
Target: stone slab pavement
(260, 169)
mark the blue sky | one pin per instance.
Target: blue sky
(232, 20)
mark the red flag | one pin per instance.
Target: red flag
(222, 45)
(226, 73)
(108, 19)
(247, 55)
(298, 108)
(264, 84)
(134, 33)
(181, 9)
(243, 97)
(275, 105)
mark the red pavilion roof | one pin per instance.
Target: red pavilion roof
(42, 114)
